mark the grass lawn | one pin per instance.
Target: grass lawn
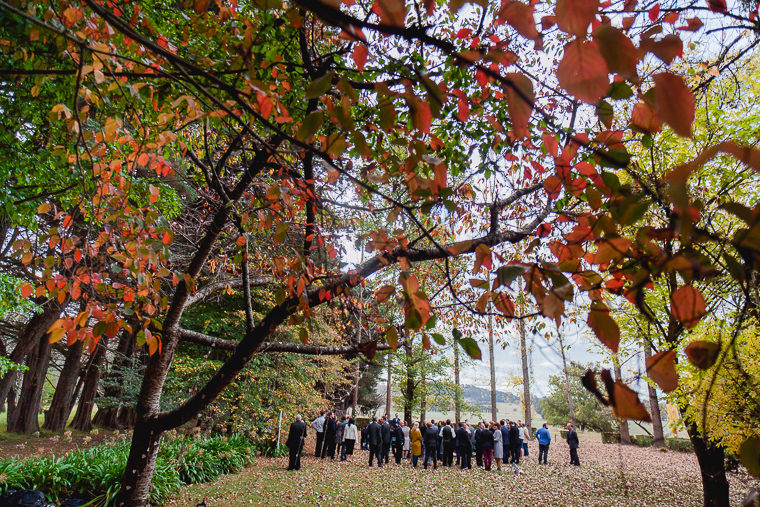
(609, 475)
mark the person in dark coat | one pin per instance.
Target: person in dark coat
(331, 428)
(398, 443)
(485, 438)
(463, 444)
(386, 433)
(447, 434)
(375, 436)
(514, 443)
(572, 442)
(478, 448)
(296, 436)
(430, 441)
(505, 440)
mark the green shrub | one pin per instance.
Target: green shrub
(609, 437)
(679, 444)
(563, 434)
(362, 422)
(95, 473)
(643, 440)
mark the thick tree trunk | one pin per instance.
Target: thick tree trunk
(28, 339)
(625, 434)
(409, 387)
(712, 466)
(141, 465)
(355, 391)
(457, 387)
(526, 377)
(83, 417)
(111, 417)
(388, 388)
(24, 419)
(60, 407)
(654, 406)
(568, 393)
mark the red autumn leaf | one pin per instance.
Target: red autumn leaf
(574, 16)
(153, 194)
(605, 328)
(692, 25)
(674, 102)
(702, 354)
(644, 118)
(666, 49)
(551, 144)
(687, 305)
(384, 292)
(548, 22)
(504, 304)
(166, 238)
(265, 105)
(583, 71)
(618, 51)
(661, 368)
(520, 17)
(654, 12)
(392, 12)
(553, 186)
(520, 99)
(360, 56)
(26, 290)
(717, 5)
(626, 404)
(422, 116)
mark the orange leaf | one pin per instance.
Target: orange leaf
(618, 51)
(153, 194)
(166, 238)
(553, 186)
(605, 328)
(360, 56)
(392, 12)
(626, 404)
(644, 118)
(687, 305)
(574, 16)
(520, 99)
(674, 102)
(702, 354)
(520, 16)
(26, 290)
(504, 304)
(661, 368)
(384, 292)
(583, 71)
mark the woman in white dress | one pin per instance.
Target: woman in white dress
(407, 441)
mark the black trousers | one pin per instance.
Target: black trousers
(386, 451)
(466, 457)
(347, 449)
(448, 453)
(515, 452)
(398, 453)
(431, 453)
(574, 457)
(479, 457)
(329, 449)
(320, 439)
(543, 451)
(294, 460)
(375, 451)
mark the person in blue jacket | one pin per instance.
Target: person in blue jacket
(544, 439)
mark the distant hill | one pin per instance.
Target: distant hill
(482, 397)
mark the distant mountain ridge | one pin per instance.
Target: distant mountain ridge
(479, 396)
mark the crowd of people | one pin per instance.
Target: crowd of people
(494, 444)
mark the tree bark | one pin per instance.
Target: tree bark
(526, 377)
(492, 366)
(409, 387)
(24, 419)
(60, 407)
(568, 393)
(712, 467)
(654, 406)
(625, 434)
(423, 399)
(83, 417)
(457, 387)
(28, 339)
(110, 417)
(388, 388)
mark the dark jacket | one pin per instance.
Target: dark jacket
(572, 439)
(485, 439)
(476, 439)
(375, 433)
(430, 437)
(505, 436)
(514, 436)
(386, 432)
(297, 432)
(448, 433)
(399, 434)
(330, 429)
(463, 440)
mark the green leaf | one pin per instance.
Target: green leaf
(391, 336)
(320, 86)
(470, 346)
(750, 455)
(507, 274)
(311, 124)
(439, 339)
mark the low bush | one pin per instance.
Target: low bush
(643, 440)
(679, 444)
(94, 474)
(609, 437)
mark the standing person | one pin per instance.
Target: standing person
(478, 448)
(331, 428)
(440, 440)
(407, 441)
(464, 446)
(430, 439)
(520, 437)
(572, 442)
(296, 436)
(447, 437)
(505, 445)
(339, 434)
(395, 422)
(375, 436)
(514, 443)
(349, 439)
(319, 426)
(415, 441)
(386, 433)
(526, 437)
(486, 446)
(544, 439)
(398, 443)
(365, 438)
(498, 446)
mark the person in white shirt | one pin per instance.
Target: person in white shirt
(319, 426)
(350, 435)
(407, 440)
(525, 437)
